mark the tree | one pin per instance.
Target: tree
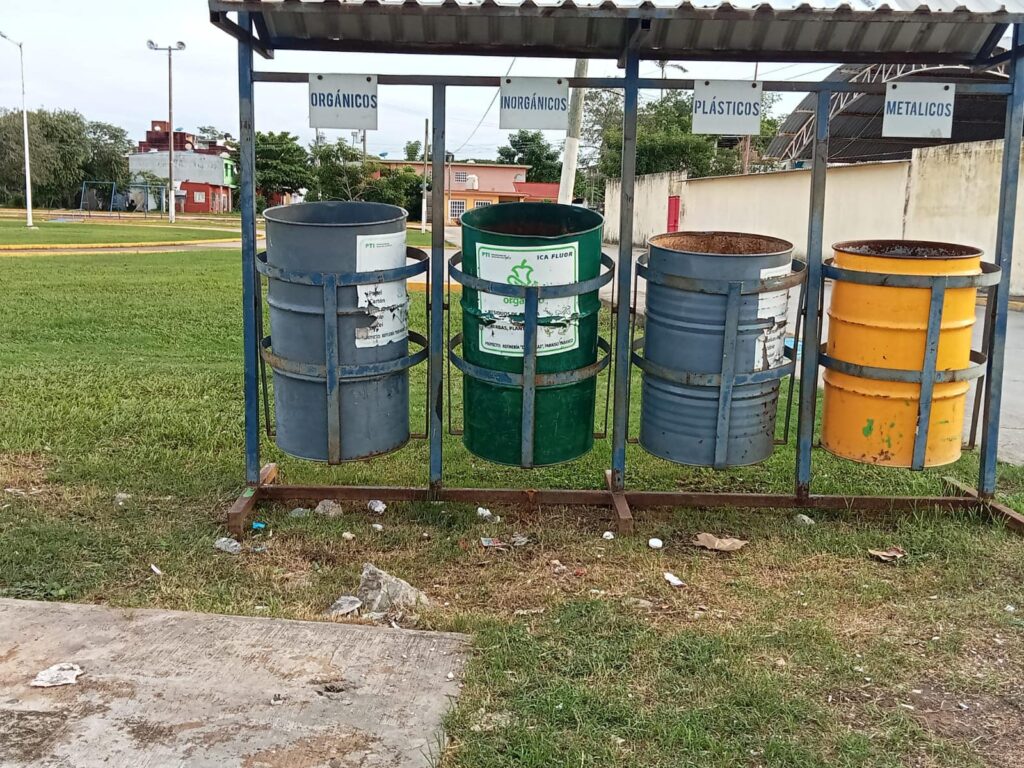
(214, 134)
(282, 164)
(108, 146)
(340, 172)
(531, 148)
(414, 150)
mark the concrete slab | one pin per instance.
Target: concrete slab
(167, 688)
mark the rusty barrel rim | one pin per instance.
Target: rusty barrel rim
(720, 243)
(931, 250)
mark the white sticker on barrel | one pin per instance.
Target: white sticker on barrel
(770, 344)
(554, 265)
(387, 303)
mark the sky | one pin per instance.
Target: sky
(92, 57)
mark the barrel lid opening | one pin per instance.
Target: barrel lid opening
(908, 249)
(335, 213)
(533, 220)
(721, 243)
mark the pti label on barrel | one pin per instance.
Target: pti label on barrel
(729, 107)
(386, 304)
(343, 101)
(919, 110)
(554, 265)
(534, 103)
(772, 306)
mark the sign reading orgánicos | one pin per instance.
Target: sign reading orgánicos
(534, 102)
(919, 110)
(343, 101)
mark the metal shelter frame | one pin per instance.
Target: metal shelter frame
(616, 495)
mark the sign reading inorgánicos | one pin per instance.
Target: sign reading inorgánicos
(729, 107)
(919, 110)
(343, 101)
(534, 102)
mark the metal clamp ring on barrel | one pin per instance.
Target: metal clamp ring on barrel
(519, 291)
(314, 372)
(509, 379)
(974, 371)
(989, 276)
(345, 279)
(692, 379)
(696, 285)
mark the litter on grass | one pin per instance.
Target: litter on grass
(655, 543)
(224, 544)
(673, 580)
(64, 673)
(890, 555)
(715, 544)
(608, 536)
(377, 506)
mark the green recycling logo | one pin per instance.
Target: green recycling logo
(522, 274)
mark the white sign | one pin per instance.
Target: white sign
(388, 303)
(534, 103)
(554, 265)
(728, 107)
(343, 101)
(919, 110)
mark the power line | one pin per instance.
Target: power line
(486, 111)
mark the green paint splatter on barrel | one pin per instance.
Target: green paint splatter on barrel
(869, 427)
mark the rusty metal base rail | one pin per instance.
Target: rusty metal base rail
(622, 502)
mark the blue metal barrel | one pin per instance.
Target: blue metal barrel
(339, 343)
(714, 346)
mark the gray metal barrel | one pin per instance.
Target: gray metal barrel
(709, 329)
(331, 400)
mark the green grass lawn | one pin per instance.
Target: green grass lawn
(79, 233)
(797, 651)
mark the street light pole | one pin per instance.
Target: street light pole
(179, 46)
(24, 126)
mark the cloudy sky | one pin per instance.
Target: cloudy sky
(92, 57)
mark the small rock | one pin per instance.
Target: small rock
(329, 508)
(608, 536)
(673, 580)
(376, 506)
(299, 512)
(348, 536)
(425, 535)
(377, 527)
(780, 662)
(655, 543)
(225, 544)
(639, 602)
(120, 499)
(343, 606)
(380, 592)
(59, 674)
(484, 513)
(451, 675)
(1010, 608)
(802, 519)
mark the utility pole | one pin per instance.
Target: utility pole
(179, 46)
(24, 126)
(426, 154)
(572, 138)
(364, 143)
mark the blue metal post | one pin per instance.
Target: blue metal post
(331, 368)
(529, 374)
(247, 203)
(931, 356)
(728, 375)
(435, 402)
(1014, 128)
(623, 369)
(815, 286)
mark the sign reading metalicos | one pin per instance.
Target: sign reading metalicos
(730, 107)
(343, 101)
(919, 110)
(534, 102)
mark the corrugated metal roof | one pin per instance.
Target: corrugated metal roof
(788, 30)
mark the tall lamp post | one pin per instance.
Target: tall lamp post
(24, 125)
(179, 46)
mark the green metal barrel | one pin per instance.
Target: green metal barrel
(530, 244)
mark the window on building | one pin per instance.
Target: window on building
(199, 197)
(456, 208)
(481, 203)
(461, 176)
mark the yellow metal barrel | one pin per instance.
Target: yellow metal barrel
(874, 421)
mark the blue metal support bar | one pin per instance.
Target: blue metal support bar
(620, 409)
(815, 287)
(931, 356)
(529, 374)
(435, 397)
(1014, 129)
(728, 380)
(331, 363)
(247, 203)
